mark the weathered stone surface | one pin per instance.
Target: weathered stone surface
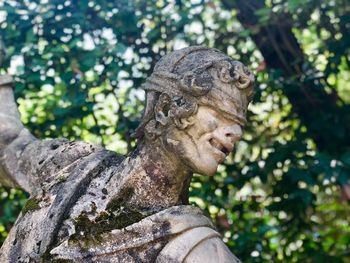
(88, 204)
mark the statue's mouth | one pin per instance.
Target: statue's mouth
(219, 146)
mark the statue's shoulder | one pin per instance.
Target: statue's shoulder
(64, 170)
(53, 161)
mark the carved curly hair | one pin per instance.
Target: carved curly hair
(183, 79)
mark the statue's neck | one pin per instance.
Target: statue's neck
(158, 179)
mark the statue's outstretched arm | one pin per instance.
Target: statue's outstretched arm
(14, 137)
(25, 161)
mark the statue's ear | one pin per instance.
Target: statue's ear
(182, 111)
(161, 110)
(183, 123)
(178, 110)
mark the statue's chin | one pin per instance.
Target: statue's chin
(203, 164)
(207, 169)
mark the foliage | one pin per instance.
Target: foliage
(11, 203)
(79, 66)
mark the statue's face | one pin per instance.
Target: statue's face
(206, 143)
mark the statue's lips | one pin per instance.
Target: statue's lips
(220, 149)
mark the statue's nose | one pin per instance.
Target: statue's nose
(233, 133)
(228, 135)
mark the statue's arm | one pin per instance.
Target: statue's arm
(211, 250)
(14, 137)
(201, 244)
(25, 161)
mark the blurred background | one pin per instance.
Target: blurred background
(283, 196)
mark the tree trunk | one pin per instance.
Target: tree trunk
(315, 107)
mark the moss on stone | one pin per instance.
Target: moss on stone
(106, 221)
(125, 218)
(47, 257)
(123, 197)
(116, 216)
(31, 205)
(121, 214)
(61, 179)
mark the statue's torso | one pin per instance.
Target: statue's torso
(80, 213)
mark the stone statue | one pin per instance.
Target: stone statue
(88, 204)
